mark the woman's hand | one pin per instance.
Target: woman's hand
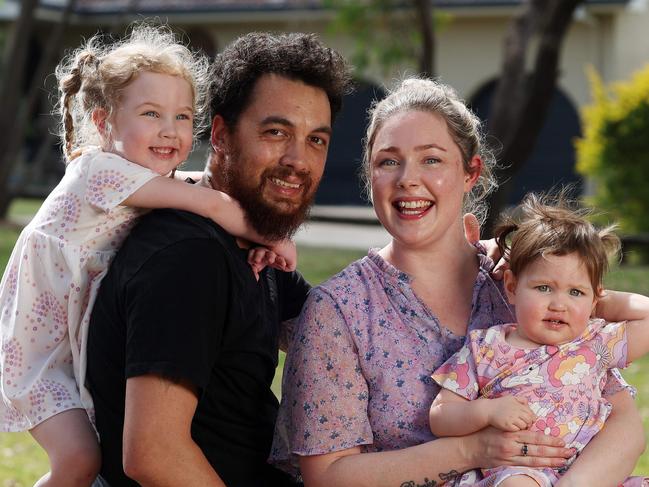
(491, 447)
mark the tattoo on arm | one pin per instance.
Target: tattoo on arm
(431, 483)
(445, 477)
(412, 483)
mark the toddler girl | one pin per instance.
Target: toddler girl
(129, 113)
(546, 371)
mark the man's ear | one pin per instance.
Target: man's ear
(100, 119)
(218, 134)
(509, 280)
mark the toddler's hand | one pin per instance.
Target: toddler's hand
(472, 235)
(509, 413)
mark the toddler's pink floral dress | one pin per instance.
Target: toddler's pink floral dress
(563, 384)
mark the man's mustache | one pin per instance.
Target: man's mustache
(291, 174)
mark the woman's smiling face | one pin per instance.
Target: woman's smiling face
(418, 177)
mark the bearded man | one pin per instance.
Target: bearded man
(183, 341)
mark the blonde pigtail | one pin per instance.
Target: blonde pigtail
(69, 86)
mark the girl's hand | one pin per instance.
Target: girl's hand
(282, 257)
(259, 258)
(490, 448)
(510, 413)
(286, 255)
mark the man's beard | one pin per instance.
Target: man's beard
(266, 218)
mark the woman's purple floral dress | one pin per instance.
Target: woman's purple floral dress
(359, 368)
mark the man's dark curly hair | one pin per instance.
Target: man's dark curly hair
(296, 56)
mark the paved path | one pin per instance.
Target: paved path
(351, 227)
(342, 235)
(339, 227)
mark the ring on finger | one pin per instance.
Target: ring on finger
(524, 449)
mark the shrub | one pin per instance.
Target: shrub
(614, 151)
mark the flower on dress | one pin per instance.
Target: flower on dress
(603, 354)
(548, 426)
(560, 413)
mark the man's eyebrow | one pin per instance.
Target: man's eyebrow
(326, 129)
(274, 119)
(279, 120)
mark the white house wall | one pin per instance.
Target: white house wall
(630, 41)
(469, 49)
(470, 53)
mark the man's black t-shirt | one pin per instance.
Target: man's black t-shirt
(180, 301)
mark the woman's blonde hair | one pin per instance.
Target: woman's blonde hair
(465, 128)
(552, 224)
(93, 76)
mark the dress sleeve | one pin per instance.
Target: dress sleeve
(614, 340)
(611, 343)
(111, 179)
(459, 374)
(325, 395)
(616, 383)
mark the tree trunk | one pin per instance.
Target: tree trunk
(424, 9)
(10, 93)
(521, 100)
(12, 99)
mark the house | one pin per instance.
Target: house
(604, 34)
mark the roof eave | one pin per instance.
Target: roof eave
(502, 8)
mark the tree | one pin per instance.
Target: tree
(12, 98)
(384, 35)
(522, 98)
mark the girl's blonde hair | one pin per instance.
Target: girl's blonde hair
(548, 224)
(465, 128)
(93, 76)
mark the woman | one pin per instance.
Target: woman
(357, 384)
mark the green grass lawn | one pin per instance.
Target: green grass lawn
(22, 461)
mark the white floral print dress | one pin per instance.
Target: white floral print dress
(50, 284)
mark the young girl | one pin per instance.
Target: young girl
(546, 371)
(129, 111)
